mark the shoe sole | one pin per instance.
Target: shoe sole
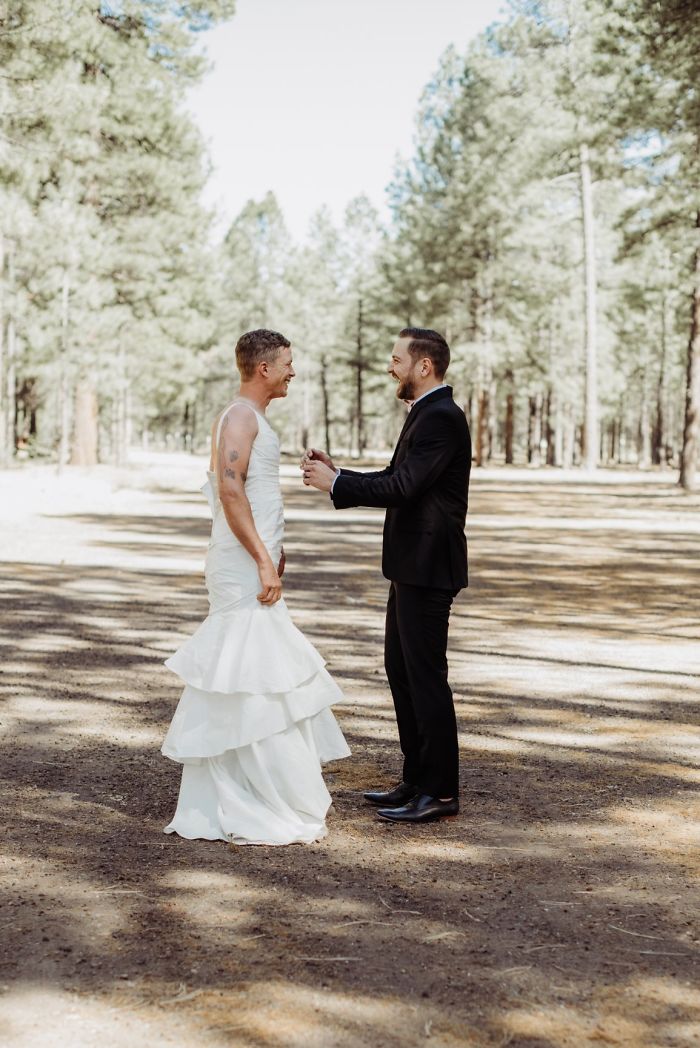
(433, 817)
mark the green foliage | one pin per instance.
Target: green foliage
(101, 175)
(109, 272)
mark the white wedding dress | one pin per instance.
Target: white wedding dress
(253, 723)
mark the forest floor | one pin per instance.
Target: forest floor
(560, 908)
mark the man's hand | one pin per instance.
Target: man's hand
(314, 455)
(319, 475)
(282, 564)
(270, 582)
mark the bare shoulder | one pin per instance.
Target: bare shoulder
(237, 420)
(239, 417)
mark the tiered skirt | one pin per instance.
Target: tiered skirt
(251, 729)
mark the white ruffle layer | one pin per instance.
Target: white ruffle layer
(270, 792)
(252, 649)
(207, 724)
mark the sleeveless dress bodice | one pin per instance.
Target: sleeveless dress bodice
(263, 491)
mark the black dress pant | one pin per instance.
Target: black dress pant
(415, 657)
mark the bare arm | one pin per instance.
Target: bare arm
(238, 431)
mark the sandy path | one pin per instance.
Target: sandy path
(561, 908)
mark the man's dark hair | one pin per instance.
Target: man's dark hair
(256, 346)
(427, 343)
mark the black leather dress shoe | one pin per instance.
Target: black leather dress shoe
(421, 808)
(392, 798)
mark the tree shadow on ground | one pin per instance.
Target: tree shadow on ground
(560, 908)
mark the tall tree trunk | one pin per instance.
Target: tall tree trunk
(187, 427)
(11, 391)
(568, 443)
(691, 424)
(3, 449)
(63, 399)
(325, 404)
(644, 445)
(534, 454)
(549, 411)
(657, 447)
(85, 429)
(510, 422)
(359, 377)
(123, 408)
(592, 439)
(558, 438)
(306, 406)
(491, 421)
(482, 426)
(9, 436)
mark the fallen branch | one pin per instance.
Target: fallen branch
(639, 935)
(347, 924)
(546, 946)
(181, 995)
(418, 913)
(665, 953)
(441, 935)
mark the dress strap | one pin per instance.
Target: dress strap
(223, 414)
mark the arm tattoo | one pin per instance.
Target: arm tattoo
(244, 477)
(230, 473)
(233, 455)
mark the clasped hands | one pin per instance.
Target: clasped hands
(318, 470)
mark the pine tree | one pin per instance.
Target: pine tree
(657, 42)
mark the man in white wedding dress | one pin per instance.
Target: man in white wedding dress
(253, 724)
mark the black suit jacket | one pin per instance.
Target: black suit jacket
(424, 489)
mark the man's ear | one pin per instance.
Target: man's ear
(263, 368)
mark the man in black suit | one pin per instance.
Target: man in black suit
(424, 490)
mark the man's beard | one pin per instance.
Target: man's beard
(406, 390)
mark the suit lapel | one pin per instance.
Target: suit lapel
(439, 394)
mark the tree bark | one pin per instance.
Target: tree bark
(482, 427)
(509, 427)
(644, 445)
(359, 377)
(491, 422)
(591, 397)
(9, 393)
(325, 404)
(63, 402)
(534, 451)
(187, 427)
(568, 439)
(85, 429)
(691, 423)
(657, 448)
(3, 450)
(550, 411)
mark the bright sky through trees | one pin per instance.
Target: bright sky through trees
(313, 99)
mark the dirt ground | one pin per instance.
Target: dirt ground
(561, 908)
